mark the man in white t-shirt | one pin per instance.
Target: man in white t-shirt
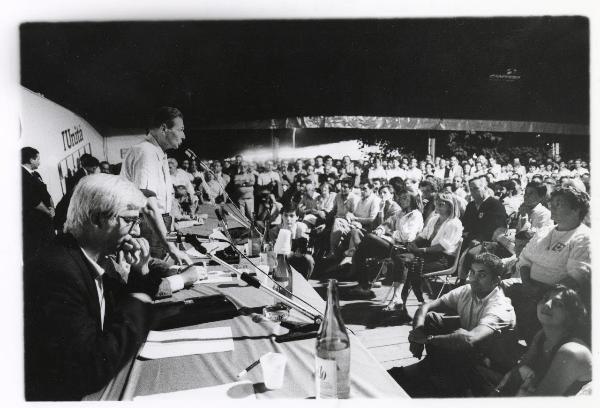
(414, 172)
(480, 336)
(145, 165)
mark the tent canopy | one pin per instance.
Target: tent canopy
(391, 123)
(480, 71)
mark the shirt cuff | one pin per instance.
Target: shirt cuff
(142, 297)
(176, 282)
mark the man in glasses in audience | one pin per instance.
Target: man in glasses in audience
(84, 320)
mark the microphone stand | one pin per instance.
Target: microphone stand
(191, 154)
(240, 215)
(190, 238)
(252, 281)
(225, 227)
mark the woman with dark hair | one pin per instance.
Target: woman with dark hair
(399, 229)
(559, 360)
(556, 254)
(397, 184)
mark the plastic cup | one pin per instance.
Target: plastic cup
(273, 369)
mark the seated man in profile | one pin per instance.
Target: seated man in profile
(299, 259)
(83, 323)
(468, 354)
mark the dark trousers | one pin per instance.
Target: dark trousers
(413, 280)
(373, 246)
(38, 232)
(303, 263)
(447, 373)
(157, 249)
(524, 299)
(423, 264)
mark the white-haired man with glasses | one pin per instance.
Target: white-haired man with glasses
(83, 320)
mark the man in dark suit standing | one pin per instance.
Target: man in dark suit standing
(84, 323)
(38, 208)
(88, 165)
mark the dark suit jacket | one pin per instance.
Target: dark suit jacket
(481, 223)
(67, 353)
(37, 226)
(71, 182)
(34, 191)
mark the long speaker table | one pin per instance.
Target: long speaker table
(252, 337)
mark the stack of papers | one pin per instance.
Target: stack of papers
(163, 344)
(236, 390)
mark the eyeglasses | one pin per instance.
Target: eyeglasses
(130, 220)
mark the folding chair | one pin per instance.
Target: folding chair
(445, 273)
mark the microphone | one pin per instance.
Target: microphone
(252, 281)
(239, 220)
(223, 223)
(214, 239)
(190, 153)
(218, 214)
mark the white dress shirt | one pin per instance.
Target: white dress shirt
(99, 286)
(448, 234)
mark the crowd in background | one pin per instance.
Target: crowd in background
(520, 229)
(250, 183)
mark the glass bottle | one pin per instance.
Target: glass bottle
(332, 373)
(282, 274)
(254, 240)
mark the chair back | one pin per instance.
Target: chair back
(450, 270)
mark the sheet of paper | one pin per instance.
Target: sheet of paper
(194, 253)
(215, 246)
(216, 277)
(187, 223)
(236, 390)
(217, 234)
(163, 344)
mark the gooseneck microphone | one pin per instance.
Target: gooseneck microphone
(224, 223)
(241, 217)
(252, 281)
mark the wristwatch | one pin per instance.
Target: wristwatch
(428, 339)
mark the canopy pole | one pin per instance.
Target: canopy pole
(555, 149)
(430, 145)
(294, 139)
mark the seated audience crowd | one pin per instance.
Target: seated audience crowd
(518, 235)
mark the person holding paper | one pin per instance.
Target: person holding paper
(83, 323)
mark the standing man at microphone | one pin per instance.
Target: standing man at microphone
(146, 166)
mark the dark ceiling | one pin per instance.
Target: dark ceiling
(219, 72)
